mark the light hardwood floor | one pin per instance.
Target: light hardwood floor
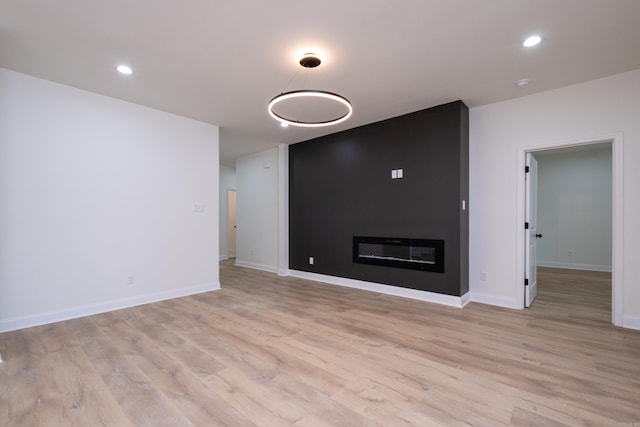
(273, 351)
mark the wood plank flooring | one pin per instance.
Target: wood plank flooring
(273, 351)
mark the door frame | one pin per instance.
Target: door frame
(228, 225)
(616, 140)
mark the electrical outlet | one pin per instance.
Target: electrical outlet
(311, 260)
(570, 252)
(483, 276)
(130, 280)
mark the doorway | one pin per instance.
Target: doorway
(231, 223)
(528, 268)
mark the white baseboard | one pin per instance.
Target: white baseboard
(443, 299)
(255, 266)
(574, 266)
(494, 300)
(466, 299)
(283, 272)
(21, 322)
(223, 258)
(631, 322)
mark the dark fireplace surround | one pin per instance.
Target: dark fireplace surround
(343, 185)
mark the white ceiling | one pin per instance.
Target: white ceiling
(222, 61)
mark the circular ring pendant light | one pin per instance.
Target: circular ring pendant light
(310, 60)
(310, 93)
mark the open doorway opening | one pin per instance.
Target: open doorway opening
(576, 240)
(571, 230)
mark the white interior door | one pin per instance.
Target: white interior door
(232, 223)
(531, 229)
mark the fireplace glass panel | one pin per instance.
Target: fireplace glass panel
(404, 253)
(420, 254)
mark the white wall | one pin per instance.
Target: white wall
(498, 134)
(257, 210)
(574, 208)
(227, 182)
(94, 190)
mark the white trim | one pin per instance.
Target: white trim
(230, 253)
(574, 266)
(495, 300)
(415, 294)
(12, 324)
(465, 299)
(618, 227)
(617, 277)
(631, 322)
(256, 266)
(223, 258)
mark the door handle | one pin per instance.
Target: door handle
(538, 236)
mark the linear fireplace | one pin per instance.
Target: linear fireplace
(415, 254)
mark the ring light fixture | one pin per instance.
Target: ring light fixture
(310, 60)
(310, 93)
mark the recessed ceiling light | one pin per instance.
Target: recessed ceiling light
(532, 41)
(522, 83)
(284, 124)
(124, 69)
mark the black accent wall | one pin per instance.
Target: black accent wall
(340, 186)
